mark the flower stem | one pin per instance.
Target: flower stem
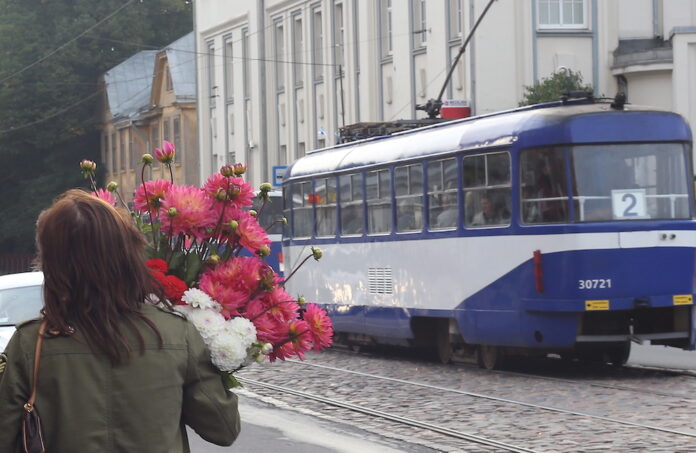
(149, 211)
(296, 269)
(171, 173)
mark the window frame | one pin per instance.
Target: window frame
(562, 26)
(443, 191)
(380, 200)
(420, 225)
(465, 190)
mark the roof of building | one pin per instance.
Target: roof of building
(128, 85)
(181, 55)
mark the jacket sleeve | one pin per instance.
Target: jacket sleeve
(14, 392)
(208, 408)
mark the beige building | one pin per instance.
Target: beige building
(277, 78)
(149, 98)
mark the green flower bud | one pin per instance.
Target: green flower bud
(301, 301)
(112, 186)
(263, 251)
(317, 253)
(213, 260)
(253, 213)
(284, 221)
(265, 187)
(147, 159)
(172, 212)
(233, 224)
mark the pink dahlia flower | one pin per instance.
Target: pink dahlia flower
(251, 235)
(156, 192)
(239, 192)
(166, 154)
(320, 328)
(106, 196)
(232, 283)
(192, 212)
(298, 343)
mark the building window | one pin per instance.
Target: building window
(317, 45)
(246, 54)
(122, 149)
(176, 125)
(487, 193)
(420, 26)
(385, 37)
(165, 130)
(301, 150)
(212, 85)
(229, 72)
(554, 14)
(339, 34)
(154, 140)
(170, 84)
(112, 156)
(297, 52)
(455, 19)
(408, 191)
(279, 43)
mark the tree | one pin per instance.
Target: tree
(553, 87)
(40, 161)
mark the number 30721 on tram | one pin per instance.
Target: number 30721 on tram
(558, 228)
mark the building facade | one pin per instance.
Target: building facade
(149, 98)
(278, 78)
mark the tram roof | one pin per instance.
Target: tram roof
(540, 125)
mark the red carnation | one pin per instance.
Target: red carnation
(157, 264)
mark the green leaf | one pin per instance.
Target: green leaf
(176, 263)
(229, 381)
(194, 263)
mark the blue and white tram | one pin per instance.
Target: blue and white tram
(562, 228)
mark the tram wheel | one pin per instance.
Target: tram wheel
(443, 345)
(490, 357)
(618, 354)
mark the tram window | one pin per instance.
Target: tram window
(443, 206)
(487, 190)
(378, 187)
(271, 212)
(544, 198)
(351, 200)
(302, 200)
(408, 187)
(325, 197)
(630, 181)
(287, 212)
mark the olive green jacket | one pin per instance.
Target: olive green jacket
(87, 405)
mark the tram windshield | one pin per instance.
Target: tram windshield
(608, 183)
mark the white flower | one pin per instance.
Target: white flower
(198, 299)
(209, 323)
(228, 352)
(243, 329)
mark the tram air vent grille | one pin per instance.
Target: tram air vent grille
(380, 280)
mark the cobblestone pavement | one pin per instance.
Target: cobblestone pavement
(533, 428)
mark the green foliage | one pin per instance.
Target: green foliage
(552, 88)
(39, 162)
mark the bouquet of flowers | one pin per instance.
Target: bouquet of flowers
(196, 241)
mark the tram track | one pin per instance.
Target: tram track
(392, 417)
(504, 400)
(530, 375)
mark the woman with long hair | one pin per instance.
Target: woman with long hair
(117, 373)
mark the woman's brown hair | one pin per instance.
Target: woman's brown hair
(95, 278)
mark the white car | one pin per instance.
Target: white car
(21, 298)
